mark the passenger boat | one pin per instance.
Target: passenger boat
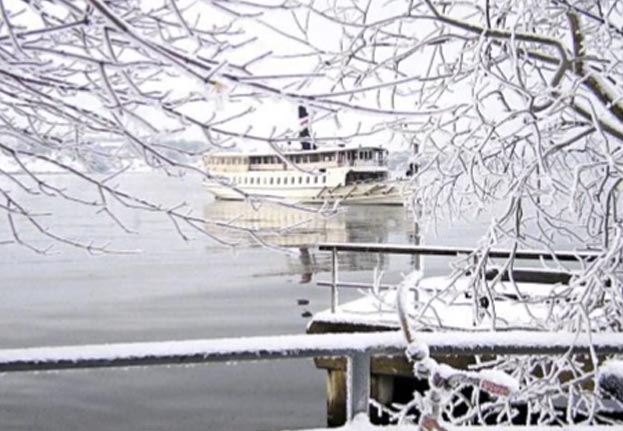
(351, 175)
(310, 175)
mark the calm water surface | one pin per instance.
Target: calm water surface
(177, 289)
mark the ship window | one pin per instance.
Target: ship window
(272, 180)
(324, 179)
(300, 180)
(315, 180)
(307, 180)
(278, 180)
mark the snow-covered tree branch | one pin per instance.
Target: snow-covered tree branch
(515, 110)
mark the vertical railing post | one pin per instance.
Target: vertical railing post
(334, 269)
(357, 385)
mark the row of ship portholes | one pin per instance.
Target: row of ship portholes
(290, 180)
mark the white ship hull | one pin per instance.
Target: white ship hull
(389, 193)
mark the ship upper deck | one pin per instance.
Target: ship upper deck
(308, 159)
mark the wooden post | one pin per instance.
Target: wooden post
(336, 398)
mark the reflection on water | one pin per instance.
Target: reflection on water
(300, 232)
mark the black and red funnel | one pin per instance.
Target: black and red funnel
(304, 129)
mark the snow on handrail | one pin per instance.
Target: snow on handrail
(300, 346)
(454, 251)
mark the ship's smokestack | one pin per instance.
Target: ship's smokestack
(304, 129)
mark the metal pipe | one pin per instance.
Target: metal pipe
(563, 256)
(334, 282)
(358, 385)
(461, 343)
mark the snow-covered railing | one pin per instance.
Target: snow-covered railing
(356, 347)
(334, 248)
(563, 256)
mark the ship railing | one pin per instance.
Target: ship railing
(426, 250)
(358, 348)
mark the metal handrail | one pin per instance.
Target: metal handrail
(302, 346)
(355, 285)
(408, 249)
(563, 256)
(356, 347)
